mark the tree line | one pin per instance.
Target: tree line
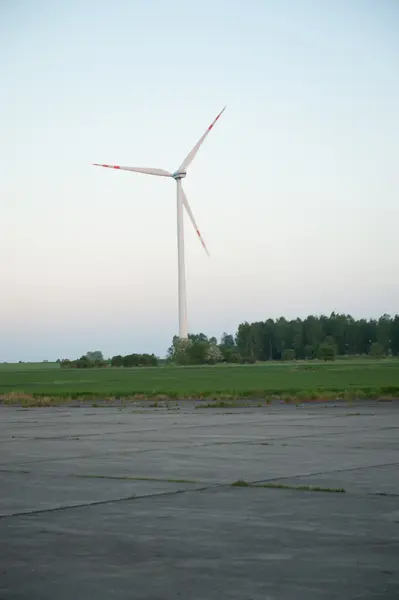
(96, 360)
(134, 360)
(308, 338)
(320, 337)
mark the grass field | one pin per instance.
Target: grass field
(300, 380)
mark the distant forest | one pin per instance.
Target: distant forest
(314, 337)
(266, 340)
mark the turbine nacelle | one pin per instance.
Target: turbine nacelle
(179, 175)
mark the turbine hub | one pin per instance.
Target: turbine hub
(179, 175)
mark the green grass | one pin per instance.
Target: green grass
(240, 483)
(290, 382)
(221, 404)
(302, 488)
(288, 486)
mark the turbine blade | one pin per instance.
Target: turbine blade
(191, 155)
(190, 214)
(146, 170)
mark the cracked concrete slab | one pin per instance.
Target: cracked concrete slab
(76, 519)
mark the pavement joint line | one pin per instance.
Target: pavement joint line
(178, 448)
(311, 474)
(136, 478)
(197, 426)
(104, 502)
(248, 441)
(349, 469)
(253, 483)
(40, 474)
(103, 455)
(214, 486)
(116, 500)
(19, 471)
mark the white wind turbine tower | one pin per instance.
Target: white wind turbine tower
(181, 199)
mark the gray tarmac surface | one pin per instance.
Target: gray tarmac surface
(103, 503)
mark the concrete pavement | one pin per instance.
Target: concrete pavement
(137, 503)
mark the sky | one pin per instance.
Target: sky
(295, 190)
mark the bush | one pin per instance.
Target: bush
(198, 349)
(247, 360)
(326, 352)
(234, 358)
(65, 363)
(84, 363)
(179, 352)
(100, 363)
(377, 350)
(117, 361)
(289, 354)
(213, 355)
(139, 360)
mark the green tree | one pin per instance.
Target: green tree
(100, 364)
(310, 351)
(94, 355)
(244, 340)
(213, 354)
(117, 361)
(198, 352)
(326, 352)
(228, 349)
(313, 335)
(395, 335)
(384, 327)
(377, 350)
(227, 340)
(178, 352)
(289, 354)
(84, 363)
(138, 360)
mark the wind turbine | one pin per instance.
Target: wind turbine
(181, 200)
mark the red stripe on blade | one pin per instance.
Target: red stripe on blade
(210, 126)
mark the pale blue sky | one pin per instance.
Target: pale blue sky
(295, 190)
